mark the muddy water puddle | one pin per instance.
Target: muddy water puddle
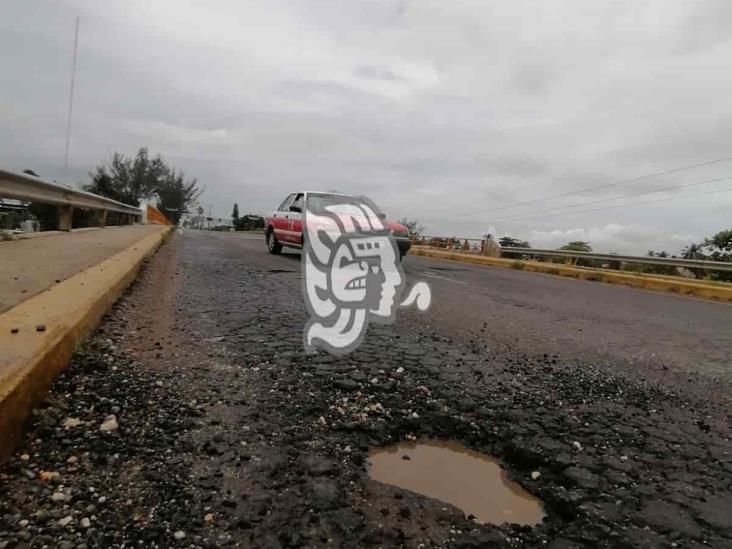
(454, 474)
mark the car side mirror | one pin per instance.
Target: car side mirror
(382, 215)
(295, 209)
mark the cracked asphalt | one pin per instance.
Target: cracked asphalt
(226, 434)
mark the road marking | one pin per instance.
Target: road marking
(435, 275)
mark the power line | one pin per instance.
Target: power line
(605, 186)
(610, 199)
(625, 205)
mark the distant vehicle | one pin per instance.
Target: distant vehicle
(284, 226)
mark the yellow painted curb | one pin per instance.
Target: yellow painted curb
(30, 360)
(660, 284)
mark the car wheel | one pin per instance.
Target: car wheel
(273, 245)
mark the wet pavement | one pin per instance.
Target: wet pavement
(226, 434)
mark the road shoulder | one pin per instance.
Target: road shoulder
(38, 335)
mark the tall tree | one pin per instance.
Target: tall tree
(175, 194)
(693, 251)
(720, 246)
(511, 242)
(143, 177)
(577, 246)
(720, 242)
(129, 180)
(414, 226)
(235, 213)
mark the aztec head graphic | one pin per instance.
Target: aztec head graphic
(352, 273)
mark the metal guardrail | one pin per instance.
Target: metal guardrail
(465, 244)
(648, 260)
(473, 245)
(33, 189)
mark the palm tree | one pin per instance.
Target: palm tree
(693, 251)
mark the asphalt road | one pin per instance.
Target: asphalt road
(225, 433)
(649, 334)
(578, 319)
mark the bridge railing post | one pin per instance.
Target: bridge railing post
(101, 218)
(65, 217)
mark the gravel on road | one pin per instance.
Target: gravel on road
(193, 418)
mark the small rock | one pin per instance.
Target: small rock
(65, 521)
(623, 458)
(109, 424)
(24, 457)
(85, 522)
(535, 475)
(41, 328)
(13, 330)
(208, 518)
(179, 534)
(321, 420)
(59, 496)
(23, 523)
(47, 476)
(72, 459)
(577, 446)
(70, 423)
(400, 370)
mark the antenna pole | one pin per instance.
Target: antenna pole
(71, 100)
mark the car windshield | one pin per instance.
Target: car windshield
(318, 201)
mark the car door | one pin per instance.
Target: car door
(281, 219)
(296, 217)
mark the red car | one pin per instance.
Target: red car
(284, 226)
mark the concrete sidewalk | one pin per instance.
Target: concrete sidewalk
(30, 266)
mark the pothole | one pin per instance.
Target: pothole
(454, 474)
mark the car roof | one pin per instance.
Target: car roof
(326, 192)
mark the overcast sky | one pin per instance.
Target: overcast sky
(434, 109)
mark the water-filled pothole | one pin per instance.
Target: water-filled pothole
(450, 472)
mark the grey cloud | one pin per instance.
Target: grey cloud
(376, 73)
(710, 25)
(432, 108)
(531, 78)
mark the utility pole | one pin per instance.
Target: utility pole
(71, 100)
